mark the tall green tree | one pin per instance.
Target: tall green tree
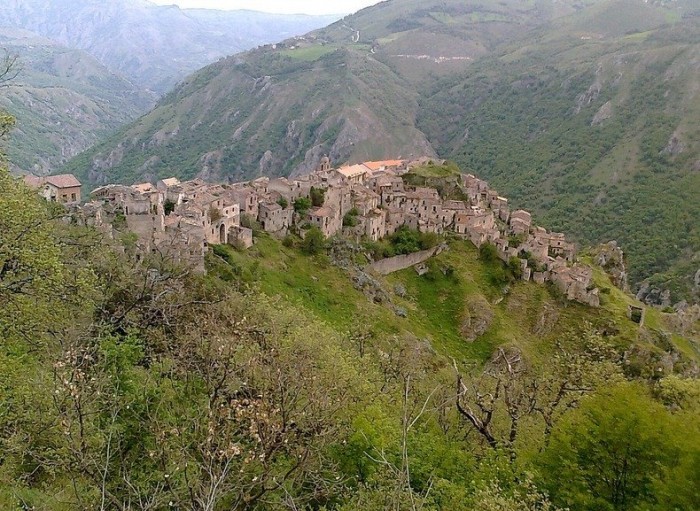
(612, 453)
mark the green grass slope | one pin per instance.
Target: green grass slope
(460, 307)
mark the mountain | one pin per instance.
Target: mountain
(349, 90)
(63, 101)
(154, 46)
(591, 123)
(581, 111)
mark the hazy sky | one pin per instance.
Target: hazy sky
(277, 6)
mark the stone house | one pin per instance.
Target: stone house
(354, 174)
(64, 188)
(274, 218)
(364, 200)
(326, 219)
(247, 199)
(520, 222)
(375, 224)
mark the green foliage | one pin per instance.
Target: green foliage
(615, 452)
(284, 203)
(314, 242)
(350, 219)
(318, 197)
(169, 206)
(302, 205)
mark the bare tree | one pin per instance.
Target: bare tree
(9, 68)
(507, 392)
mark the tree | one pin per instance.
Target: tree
(302, 205)
(314, 242)
(318, 197)
(609, 453)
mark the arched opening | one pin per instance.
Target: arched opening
(222, 234)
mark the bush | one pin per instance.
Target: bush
(515, 268)
(318, 197)
(314, 242)
(169, 206)
(302, 205)
(350, 220)
(488, 253)
(283, 202)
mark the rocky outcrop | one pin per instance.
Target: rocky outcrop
(652, 295)
(611, 258)
(478, 317)
(605, 113)
(675, 145)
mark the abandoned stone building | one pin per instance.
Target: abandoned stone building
(64, 188)
(180, 219)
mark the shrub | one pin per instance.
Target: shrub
(169, 206)
(302, 205)
(318, 197)
(350, 220)
(314, 242)
(215, 214)
(488, 253)
(283, 202)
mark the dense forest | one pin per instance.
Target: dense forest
(130, 385)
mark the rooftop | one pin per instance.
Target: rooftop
(378, 165)
(63, 181)
(353, 170)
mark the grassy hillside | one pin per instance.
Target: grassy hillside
(280, 381)
(63, 100)
(461, 307)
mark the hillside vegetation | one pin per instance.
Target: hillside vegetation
(280, 380)
(63, 99)
(582, 112)
(593, 127)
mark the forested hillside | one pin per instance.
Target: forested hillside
(592, 126)
(288, 378)
(63, 99)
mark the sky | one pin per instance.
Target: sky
(277, 6)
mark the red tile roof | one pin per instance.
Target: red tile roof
(63, 181)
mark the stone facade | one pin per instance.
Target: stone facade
(199, 214)
(64, 188)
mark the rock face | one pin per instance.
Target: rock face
(478, 317)
(654, 296)
(612, 259)
(603, 114)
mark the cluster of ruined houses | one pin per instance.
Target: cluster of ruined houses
(183, 218)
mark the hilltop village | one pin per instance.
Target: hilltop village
(181, 219)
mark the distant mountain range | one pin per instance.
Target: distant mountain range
(153, 45)
(581, 111)
(88, 67)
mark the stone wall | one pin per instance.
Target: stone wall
(401, 262)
